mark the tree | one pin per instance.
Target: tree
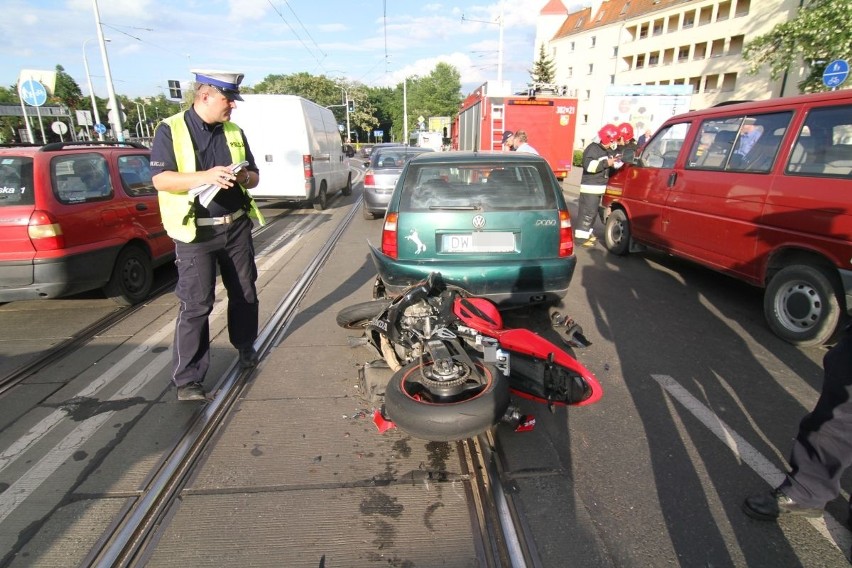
(543, 70)
(66, 91)
(436, 94)
(820, 33)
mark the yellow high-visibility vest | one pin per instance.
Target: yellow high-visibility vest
(177, 209)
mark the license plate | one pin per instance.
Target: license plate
(478, 242)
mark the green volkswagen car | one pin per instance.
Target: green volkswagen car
(493, 223)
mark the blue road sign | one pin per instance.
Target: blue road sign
(100, 128)
(835, 73)
(33, 93)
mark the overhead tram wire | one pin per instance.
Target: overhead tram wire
(308, 49)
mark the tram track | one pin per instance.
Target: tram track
(131, 539)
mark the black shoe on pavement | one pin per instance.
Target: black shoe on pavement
(248, 358)
(191, 391)
(769, 506)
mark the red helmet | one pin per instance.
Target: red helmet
(625, 131)
(608, 134)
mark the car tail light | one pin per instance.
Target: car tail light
(369, 178)
(308, 164)
(44, 232)
(389, 246)
(566, 237)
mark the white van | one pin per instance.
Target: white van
(297, 146)
(422, 139)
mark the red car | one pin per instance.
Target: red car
(76, 217)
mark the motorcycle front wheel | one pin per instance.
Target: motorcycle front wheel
(412, 409)
(358, 316)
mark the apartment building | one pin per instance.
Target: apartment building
(658, 43)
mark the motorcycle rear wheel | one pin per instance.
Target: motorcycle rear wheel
(441, 421)
(358, 316)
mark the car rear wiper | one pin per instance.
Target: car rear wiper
(471, 207)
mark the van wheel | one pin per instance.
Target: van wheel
(802, 305)
(321, 201)
(617, 233)
(132, 277)
(347, 189)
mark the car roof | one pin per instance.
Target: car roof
(767, 105)
(486, 157)
(33, 149)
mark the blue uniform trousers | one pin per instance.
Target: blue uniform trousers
(232, 250)
(822, 450)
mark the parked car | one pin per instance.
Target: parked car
(385, 165)
(494, 223)
(761, 191)
(76, 217)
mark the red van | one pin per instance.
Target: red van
(761, 191)
(77, 217)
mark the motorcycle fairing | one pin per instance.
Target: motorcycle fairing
(544, 372)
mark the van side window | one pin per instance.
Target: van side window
(824, 145)
(740, 143)
(662, 150)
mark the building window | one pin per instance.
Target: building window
(700, 51)
(572, 46)
(640, 61)
(594, 40)
(668, 56)
(585, 119)
(631, 32)
(615, 51)
(654, 59)
(624, 8)
(711, 83)
(588, 94)
(689, 19)
(717, 49)
(683, 53)
(696, 84)
(679, 82)
(729, 82)
(591, 68)
(570, 72)
(600, 15)
(705, 16)
(658, 27)
(743, 7)
(736, 45)
(724, 11)
(643, 31)
(674, 22)
(612, 79)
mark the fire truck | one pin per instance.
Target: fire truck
(548, 118)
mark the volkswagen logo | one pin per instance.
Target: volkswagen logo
(478, 222)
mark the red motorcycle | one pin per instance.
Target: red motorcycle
(453, 364)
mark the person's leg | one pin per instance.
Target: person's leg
(239, 274)
(195, 292)
(587, 209)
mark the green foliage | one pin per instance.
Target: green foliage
(66, 92)
(819, 34)
(436, 94)
(544, 68)
(578, 158)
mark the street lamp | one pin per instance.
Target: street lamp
(91, 90)
(115, 115)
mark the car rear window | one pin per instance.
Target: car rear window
(16, 181)
(80, 178)
(481, 186)
(393, 159)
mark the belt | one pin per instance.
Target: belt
(224, 220)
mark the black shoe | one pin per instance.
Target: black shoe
(248, 358)
(191, 391)
(770, 506)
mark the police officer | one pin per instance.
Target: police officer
(822, 450)
(195, 149)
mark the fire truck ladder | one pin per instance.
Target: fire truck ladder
(498, 126)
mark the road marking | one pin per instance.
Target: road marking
(827, 526)
(53, 459)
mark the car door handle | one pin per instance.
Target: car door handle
(672, 178)
(141, 207)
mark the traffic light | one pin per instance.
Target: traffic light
(350, 105)
(174, 89)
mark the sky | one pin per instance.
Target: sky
(374, 42)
